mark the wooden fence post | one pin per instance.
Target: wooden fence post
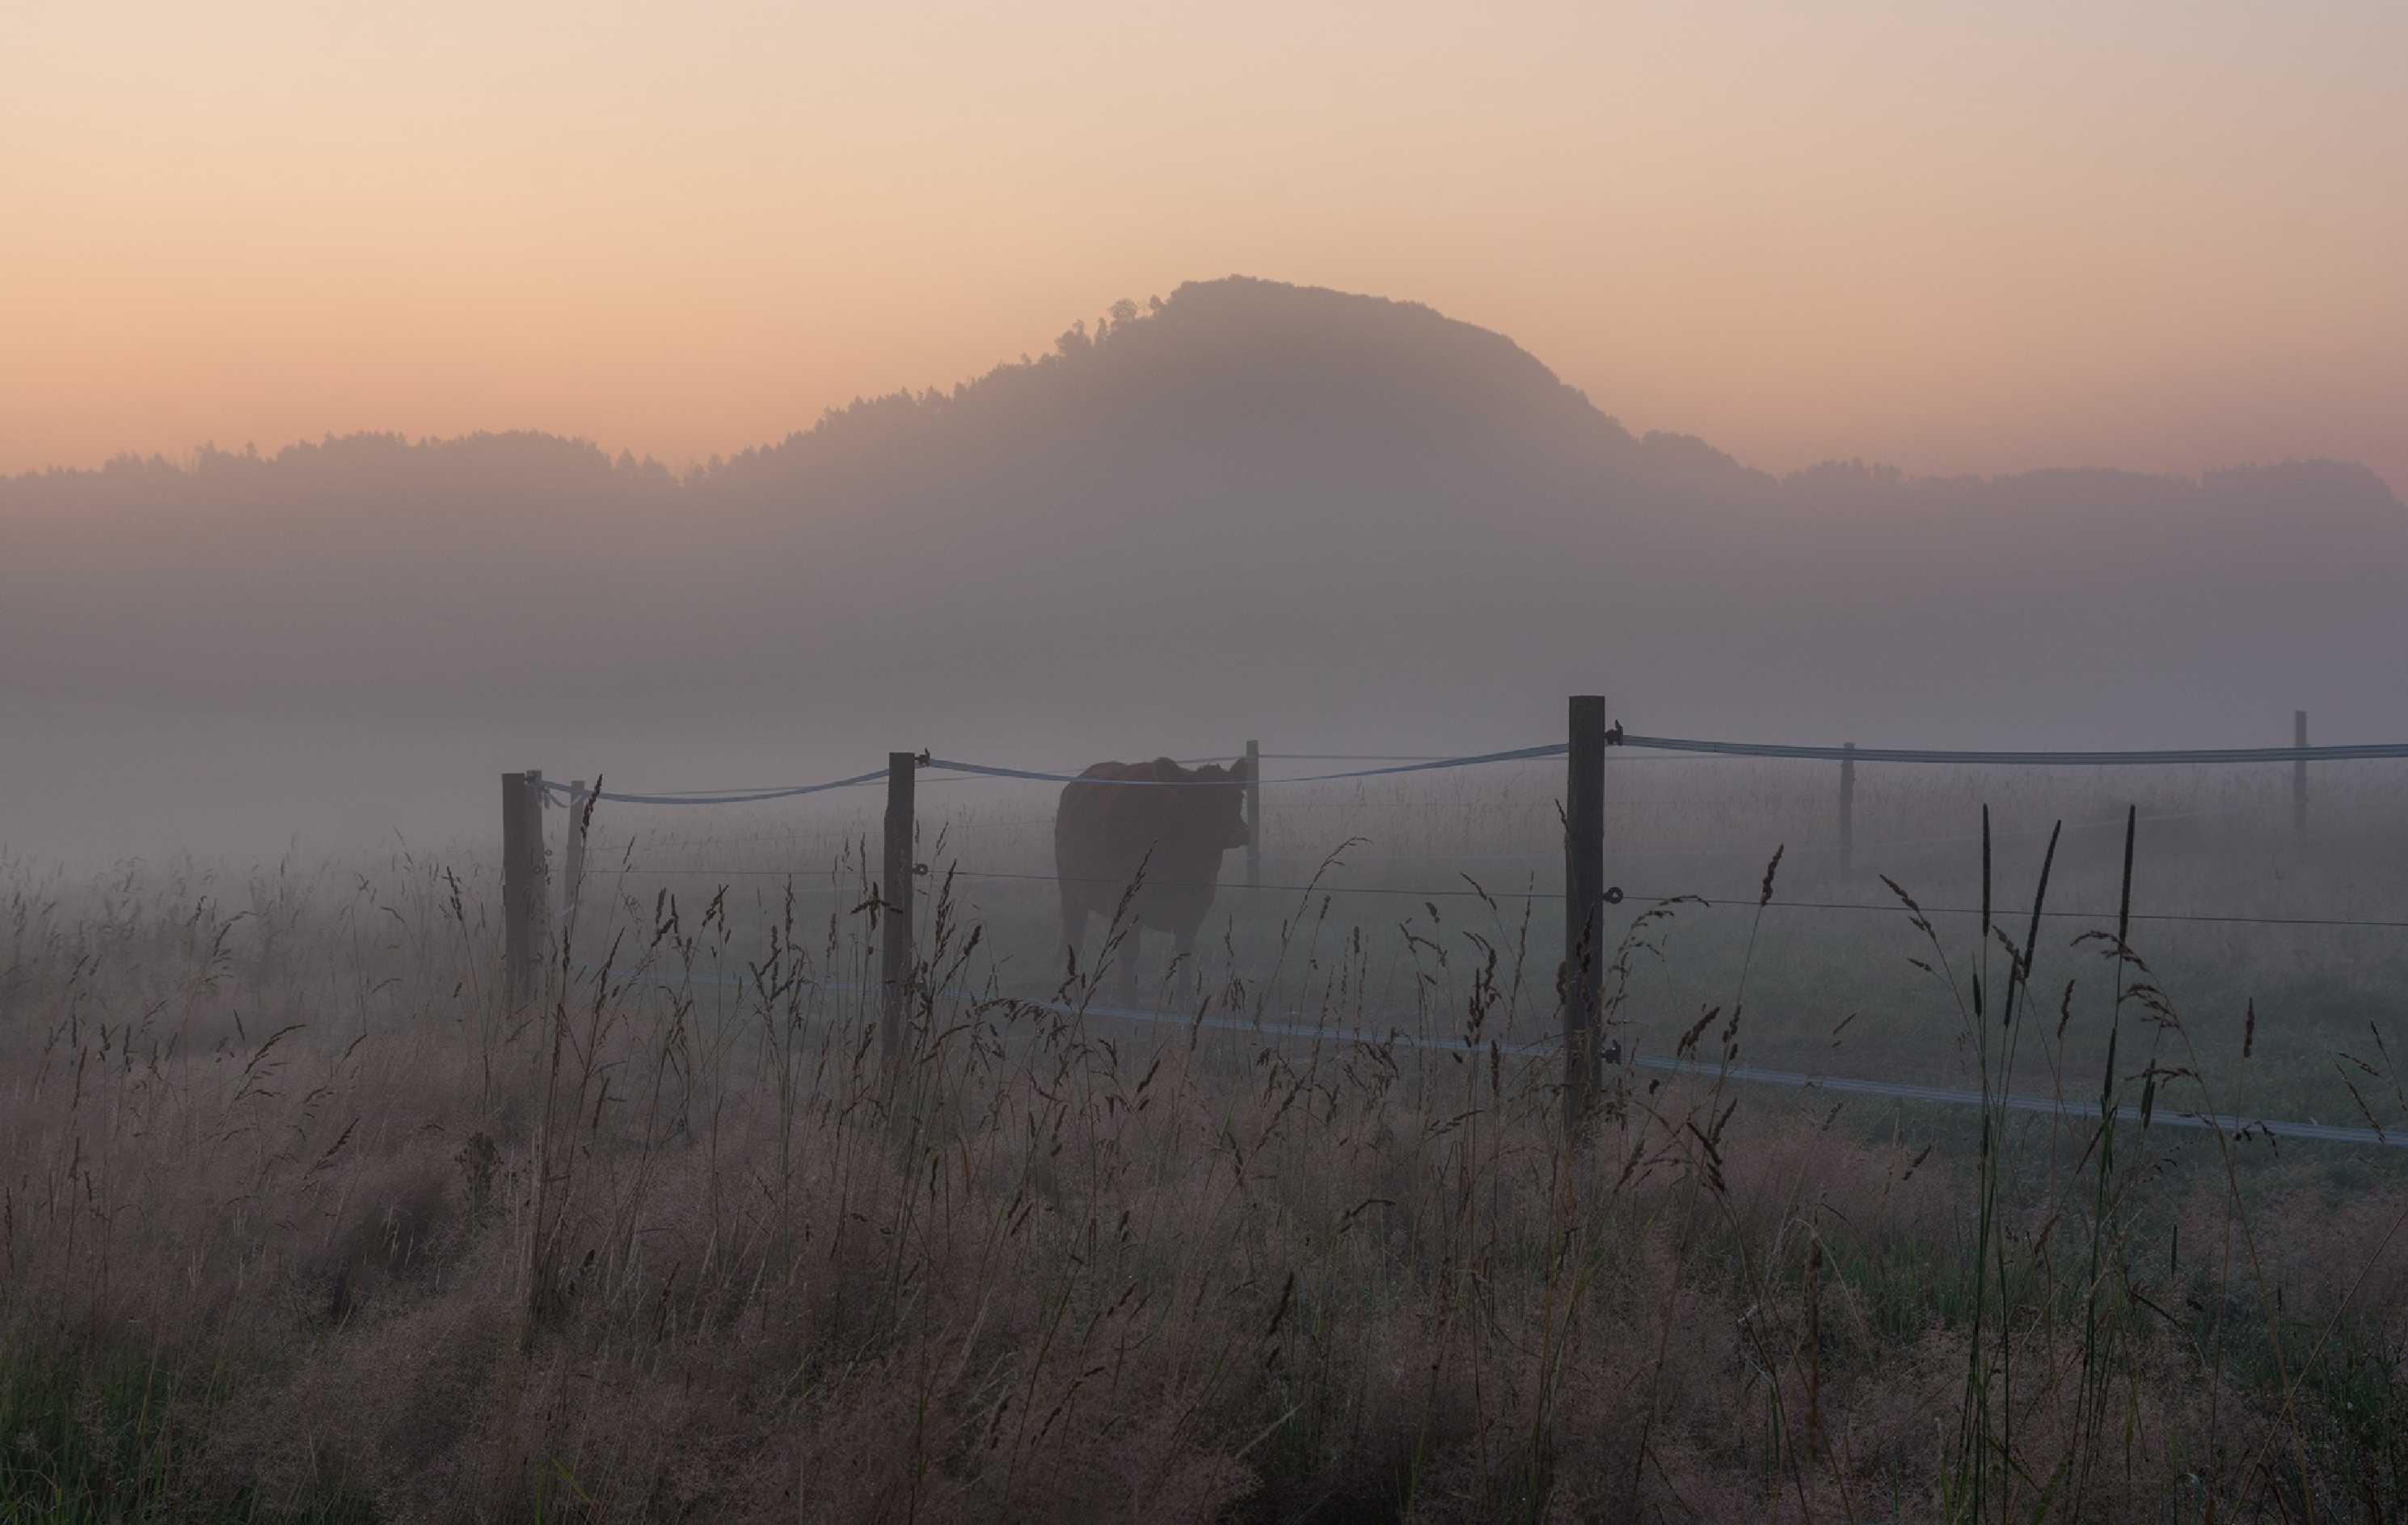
(520, 823)
(572, 878)
(538, 870)
(895, 949)
(1583, 910)
(1848, 810)
(2300, 775)
(1253, 813)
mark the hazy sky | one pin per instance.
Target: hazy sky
(1959, 237)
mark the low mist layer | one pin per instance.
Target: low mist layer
(1248, 509)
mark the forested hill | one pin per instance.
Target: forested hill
(1291, 507)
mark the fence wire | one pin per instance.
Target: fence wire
(1391, 765)
(1402, 763)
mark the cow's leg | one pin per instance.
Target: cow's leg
(1191, 978)
(1132, 954)
(1074, 932)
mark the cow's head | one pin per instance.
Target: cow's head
(1226, 807)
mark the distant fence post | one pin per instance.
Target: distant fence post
(522, 883)
(895, 950)
(572, 878)
(1583, 908)
(2300, 775)
(1848, 809)
(1253, 813)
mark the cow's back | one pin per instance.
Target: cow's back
(1119, 818)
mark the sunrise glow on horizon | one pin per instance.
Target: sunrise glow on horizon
(1956, 239)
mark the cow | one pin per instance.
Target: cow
(1172, 823)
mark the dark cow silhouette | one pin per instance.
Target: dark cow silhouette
(1174, 822)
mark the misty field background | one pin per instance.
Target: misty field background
(1248, 508)
(304, 1220)
(394, 398)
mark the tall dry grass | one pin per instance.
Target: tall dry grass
(299, 1215)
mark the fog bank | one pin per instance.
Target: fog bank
(1329, 521)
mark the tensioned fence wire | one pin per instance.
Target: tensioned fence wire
(1731, 902)
(791, 837)
(1750, 1075)
(1555, 749)
(2162, 757)
(1549, 1048)
(1409, 764)
(754, 796)
(735, 797)
(2025, 759)
(1747, 902)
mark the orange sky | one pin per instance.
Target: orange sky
(2159, 234)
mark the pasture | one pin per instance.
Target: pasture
(304, 1218)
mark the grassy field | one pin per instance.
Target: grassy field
(1404, 868)
(302, 1219)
